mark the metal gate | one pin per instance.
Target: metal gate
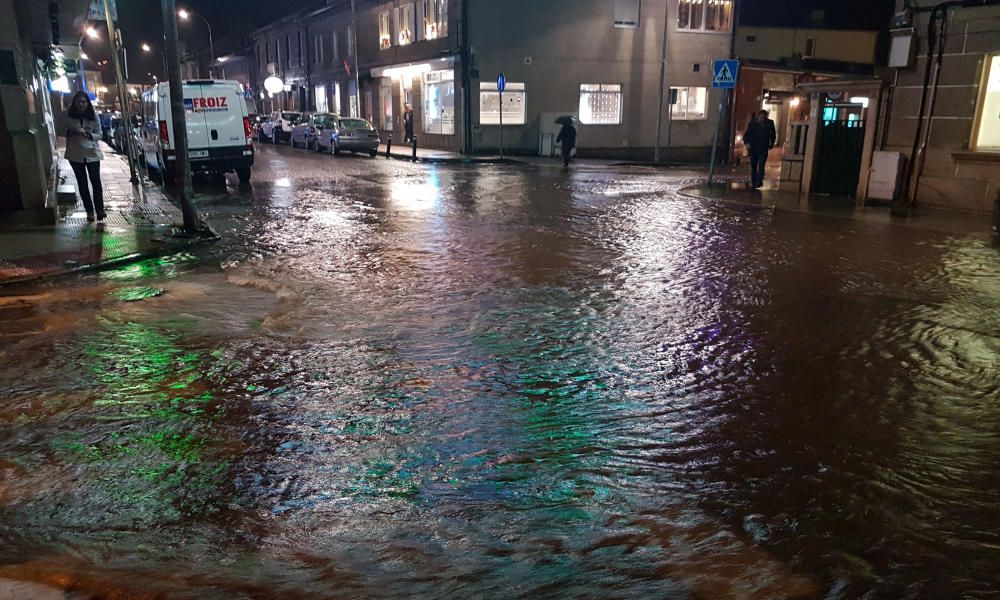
(838, 169)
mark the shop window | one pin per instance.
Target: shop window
(691, 104)
(384, 33)
(810, 48)
(987, 136)
(514, 112)
(601, 104)
(336, 98)
(439, 102)
(321, 102)
(704, 15)
(385, 94)
(627, 14)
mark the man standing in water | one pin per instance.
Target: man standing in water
(760, 137)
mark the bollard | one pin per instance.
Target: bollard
(996, 215)
(388, 146)
(414, 148)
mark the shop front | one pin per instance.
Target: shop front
(426, 87)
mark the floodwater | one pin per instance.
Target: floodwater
(393, 380)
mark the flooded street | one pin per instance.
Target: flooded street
(392, 380)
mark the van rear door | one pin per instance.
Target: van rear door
(223, 112)
(197, 127)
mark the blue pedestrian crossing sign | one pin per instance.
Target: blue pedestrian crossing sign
(501, 82)
(724, 73)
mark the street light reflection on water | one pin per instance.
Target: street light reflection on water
(445, 382)
(417, 195)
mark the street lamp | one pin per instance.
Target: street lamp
(186, 15)
(146, 47)
(92, 33)
(83, 56)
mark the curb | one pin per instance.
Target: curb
(462, 160)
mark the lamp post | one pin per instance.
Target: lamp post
(186, 15)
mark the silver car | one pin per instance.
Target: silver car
(350, 135)
(280, 125)
(307, 132)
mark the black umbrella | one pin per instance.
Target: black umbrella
(566, 120)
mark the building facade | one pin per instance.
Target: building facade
(280, 50)
(778, 65)
(957, 138)
(31, 32)
(596, 59)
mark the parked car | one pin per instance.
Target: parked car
(220, 138)
(351, 135)
(258, 127)
(307, 131)
(281, 124)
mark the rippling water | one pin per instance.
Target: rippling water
(429, 382)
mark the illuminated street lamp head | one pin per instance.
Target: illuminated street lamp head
(183, 14)
(83, 56)
(146, 47)
(92, 33)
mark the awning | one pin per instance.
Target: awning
(414, 68)
(842, 84)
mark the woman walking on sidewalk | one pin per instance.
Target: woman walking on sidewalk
(83, 132)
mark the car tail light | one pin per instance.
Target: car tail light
(164, 134)
(246, 128)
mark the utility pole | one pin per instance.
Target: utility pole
(182, 166)
(114, 39)
(663, 70)
(354, 43)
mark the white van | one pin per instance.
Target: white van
(218, 125)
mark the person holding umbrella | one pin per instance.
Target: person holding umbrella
(567, 137)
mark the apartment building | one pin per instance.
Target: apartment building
(596, 59)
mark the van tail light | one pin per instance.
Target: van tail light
(246, 128)
(164, 134)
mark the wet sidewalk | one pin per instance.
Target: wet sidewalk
(430, 155)
(140, 224)
(731, 187)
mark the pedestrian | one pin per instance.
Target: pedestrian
(82, 131)
(105, 118)
(759, 137)
(567, 137)
(407, 123)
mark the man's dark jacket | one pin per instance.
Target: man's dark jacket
(760, 136)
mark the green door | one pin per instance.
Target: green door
(838, 169)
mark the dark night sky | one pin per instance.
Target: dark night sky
(140, 21)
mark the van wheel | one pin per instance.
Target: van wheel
(373, 153)
(244, 174)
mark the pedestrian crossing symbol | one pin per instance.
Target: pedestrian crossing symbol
(724, 73)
